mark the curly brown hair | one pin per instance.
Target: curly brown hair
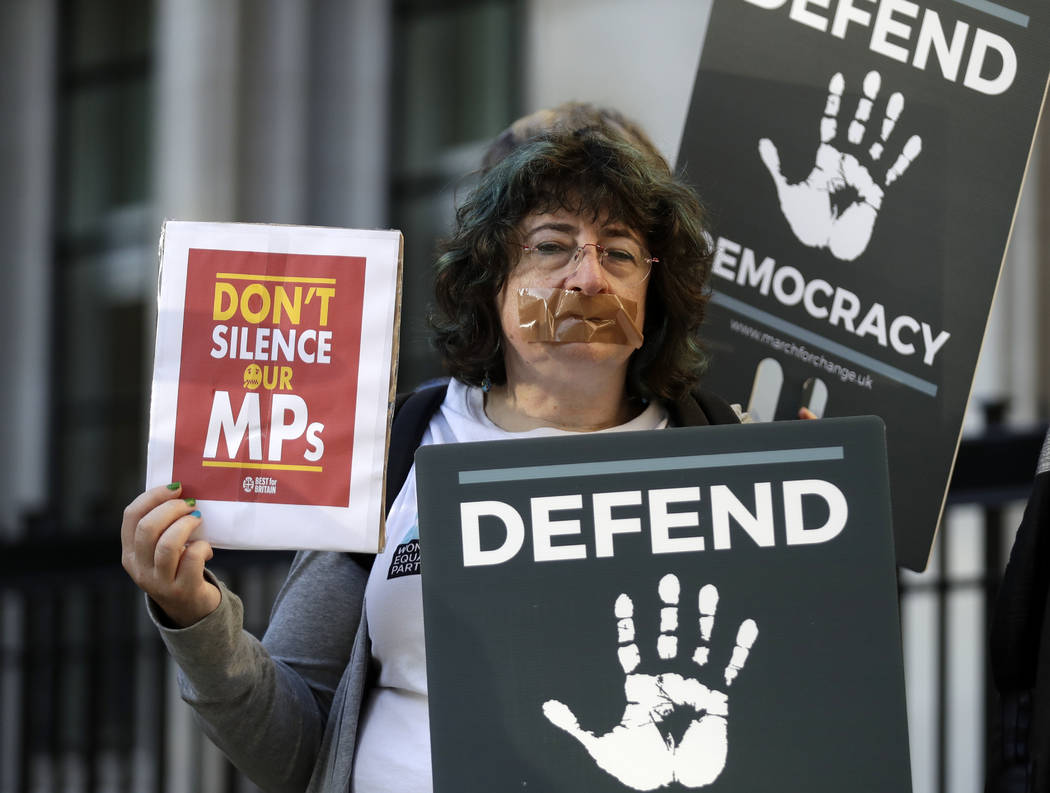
(588, 172)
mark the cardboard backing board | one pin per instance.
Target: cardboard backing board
(564, 576)
(274, 373)
(863, 163)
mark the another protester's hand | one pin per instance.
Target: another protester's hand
(160, 557)
(806, 413)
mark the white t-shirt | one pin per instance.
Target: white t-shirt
(393, 741)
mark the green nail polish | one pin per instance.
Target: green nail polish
(191, 502)
(174, 485)
(196, 513)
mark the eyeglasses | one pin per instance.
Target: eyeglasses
(624, 266)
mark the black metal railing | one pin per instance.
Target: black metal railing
(86, 694)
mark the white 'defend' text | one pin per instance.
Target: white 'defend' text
(898, 32)
(505, 528)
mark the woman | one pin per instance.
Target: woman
(568, 300)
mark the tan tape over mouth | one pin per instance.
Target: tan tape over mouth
(559, 315)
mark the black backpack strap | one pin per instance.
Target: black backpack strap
(412, 414)
(701, 408)
(717, 410)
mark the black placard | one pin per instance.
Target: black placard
(863, 159)
(525, 605)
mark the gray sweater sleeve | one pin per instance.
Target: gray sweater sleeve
(265, 704)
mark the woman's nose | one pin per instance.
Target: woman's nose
(589, 276)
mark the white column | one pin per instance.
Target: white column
(1023, 261)
(350, 81)
(196, 108)
(1013, 355)
(1041, 175)
(27, 96)
(195, 116)
(275, 94)
(28, 32)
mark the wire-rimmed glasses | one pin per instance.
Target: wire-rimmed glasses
(622, 264)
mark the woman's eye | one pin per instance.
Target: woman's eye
(549, 248)
(620, 255)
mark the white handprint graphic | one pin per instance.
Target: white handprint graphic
(640, 751)
(808, 205)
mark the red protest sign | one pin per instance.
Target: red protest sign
(269, 365)
(265, 405)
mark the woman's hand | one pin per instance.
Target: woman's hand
(160, 557)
